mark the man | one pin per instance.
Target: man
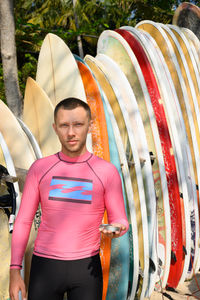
(74, 188)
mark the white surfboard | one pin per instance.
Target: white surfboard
(11, 169)
(194, 44)
(6, 160)
(90, 60)
(57, 71)
(129, 192)
(38, 116)
(23, 156)
(113, 45)
(128, 102)
(194, 204)
(169, 97)
(31, 138)
(164, 254)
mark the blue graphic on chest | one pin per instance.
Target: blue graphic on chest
(70, 189)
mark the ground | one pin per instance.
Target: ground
(189, 290)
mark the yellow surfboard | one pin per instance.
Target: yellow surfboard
(38, 116)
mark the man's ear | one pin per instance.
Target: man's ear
(54, 127)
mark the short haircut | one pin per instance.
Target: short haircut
(72, 103)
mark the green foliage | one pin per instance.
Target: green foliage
(27, 69)
(34, 19)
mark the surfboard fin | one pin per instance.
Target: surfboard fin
(160, 267)
(181, 195)
(142, 161)
(184, 250)
(160, 263)
(152, 157)
(152, 266)
(131, 163)
(141, 272)
(173, 257)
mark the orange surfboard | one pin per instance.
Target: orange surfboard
(100, 145)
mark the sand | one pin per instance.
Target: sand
(188, 290)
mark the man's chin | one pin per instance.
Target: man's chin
(73, 150)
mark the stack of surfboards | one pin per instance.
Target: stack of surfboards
(143, 88)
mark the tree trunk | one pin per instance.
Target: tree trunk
(79, 40)
(9, 57)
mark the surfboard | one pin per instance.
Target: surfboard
(178, 160)
(191, 114)
(191, 70)
(15, 139)
(134, 168)
(194, 44)
(164, 43)
(147, 114)
(100, 146)
(5, 236)
(38, 155)
(125, 58)
(57, 72)
(133, 236)
(118, 275)
(149, 121)
(23, 156)
(117, 286)
(161, 71)
(31, 138)
(36, 102)
(187, 15)
(125, 95)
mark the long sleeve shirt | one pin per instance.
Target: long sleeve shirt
(73, 193)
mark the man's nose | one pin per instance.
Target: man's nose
(71, 130)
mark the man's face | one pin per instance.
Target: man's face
(71, 127)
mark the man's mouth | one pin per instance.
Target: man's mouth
(72, 142)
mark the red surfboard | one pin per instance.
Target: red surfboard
(169, 160)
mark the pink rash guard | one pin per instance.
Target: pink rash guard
(74, 193)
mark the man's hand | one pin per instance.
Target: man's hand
(115, 234)
(16, 285)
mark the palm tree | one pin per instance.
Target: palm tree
(9, 57)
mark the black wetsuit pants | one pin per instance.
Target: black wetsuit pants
(51, 278)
